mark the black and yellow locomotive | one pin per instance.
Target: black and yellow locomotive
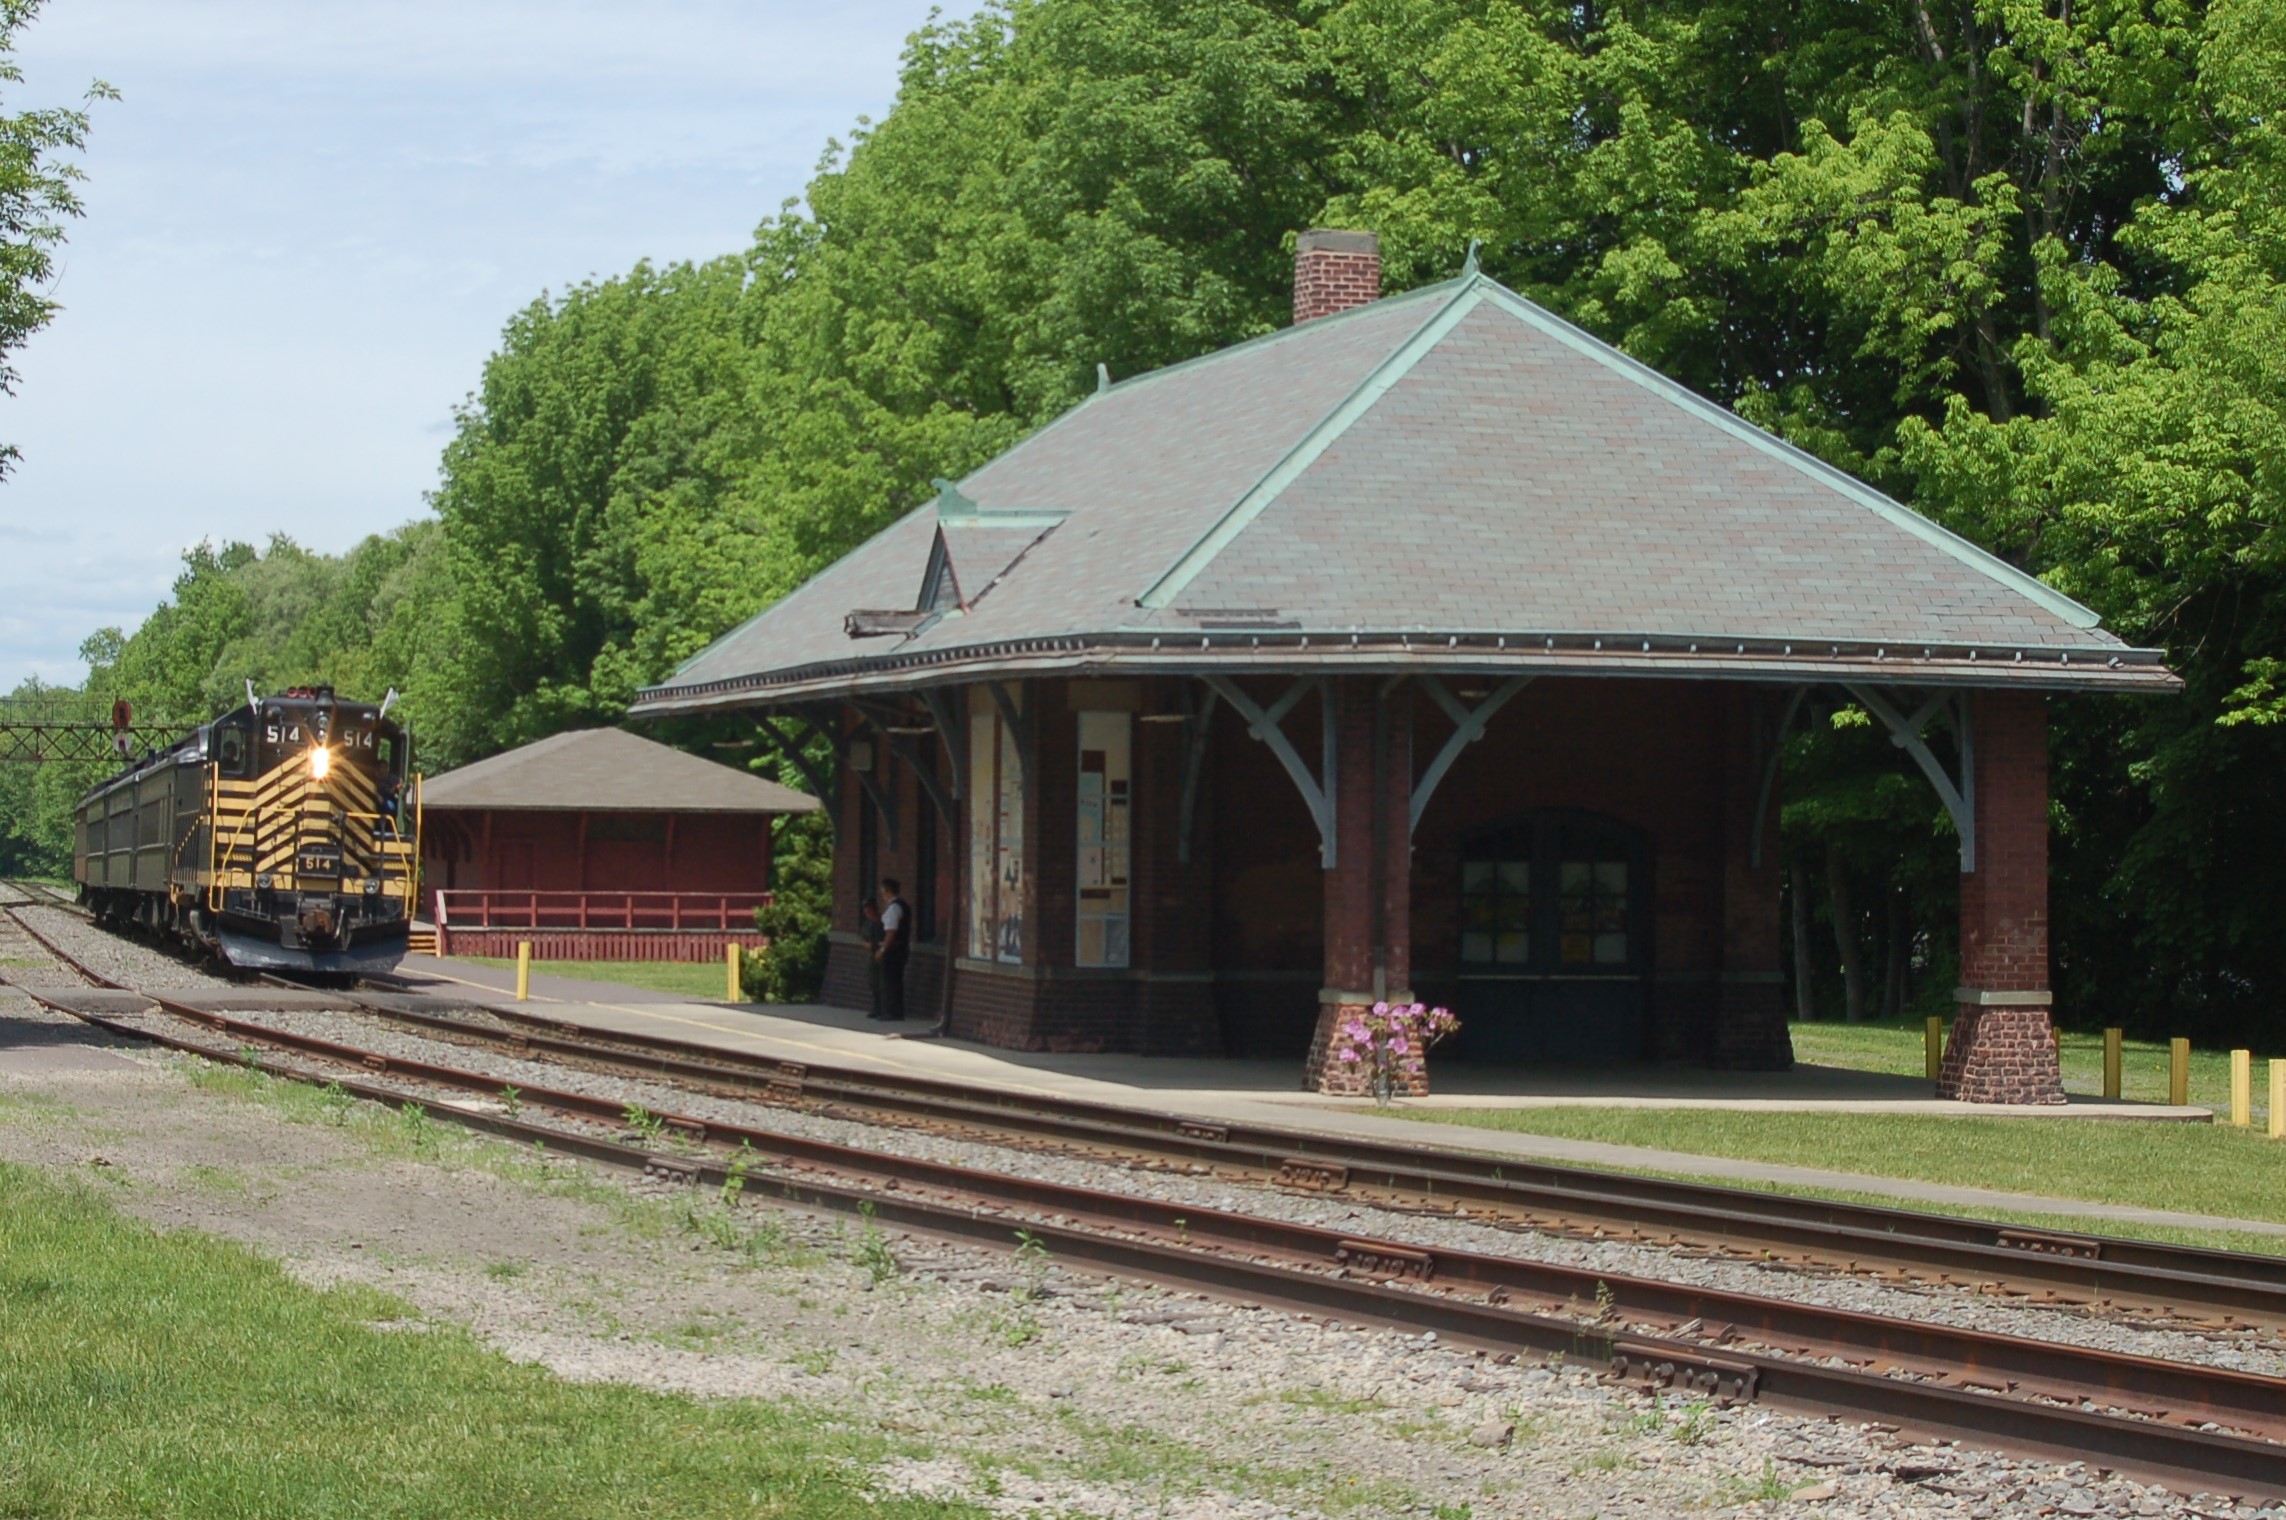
(283, 836)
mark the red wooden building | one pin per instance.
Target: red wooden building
(1429, 647)
(598, 845)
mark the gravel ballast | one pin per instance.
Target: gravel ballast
(2251, 1350)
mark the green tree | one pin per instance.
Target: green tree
(38, 194)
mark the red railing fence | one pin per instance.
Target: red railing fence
(463, 908)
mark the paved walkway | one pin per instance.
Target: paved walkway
(1266, 1091)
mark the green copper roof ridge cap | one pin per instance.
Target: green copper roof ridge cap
(1935, 534)
(1275, 335)
(1462, 297)
(1244, 345)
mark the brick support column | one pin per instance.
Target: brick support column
(1750, 1001)
(2003, 1047)
(1369, 890)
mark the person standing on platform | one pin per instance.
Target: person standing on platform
(895, 920)
(869, 930)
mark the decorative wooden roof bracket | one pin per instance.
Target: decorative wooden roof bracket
(1958, 796)
(940, 706)
(1468, 727)
(882, 721)
(1770, 752)
(1264, 723)
(824, 782)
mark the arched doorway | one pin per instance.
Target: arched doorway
(1555, 939)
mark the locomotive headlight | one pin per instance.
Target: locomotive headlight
(320, 760)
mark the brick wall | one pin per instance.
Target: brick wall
(1123, 1012)
(1334, 271)
(846, 985)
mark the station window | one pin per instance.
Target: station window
(997, 888)
(1104, 832)
(1496, 912)
(1554, 892)
(1592, 903)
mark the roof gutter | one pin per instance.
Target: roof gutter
(2112, 668)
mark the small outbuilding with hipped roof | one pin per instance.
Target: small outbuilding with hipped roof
(1427, 648)
(599, 845)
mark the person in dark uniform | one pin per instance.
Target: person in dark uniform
(869, 930)
(896, 926)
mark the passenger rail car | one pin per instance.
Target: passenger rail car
(282, 836)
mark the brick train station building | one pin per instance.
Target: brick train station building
(1428, 648)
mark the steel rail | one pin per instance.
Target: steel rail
(2070, 1266)
(1258, 1261)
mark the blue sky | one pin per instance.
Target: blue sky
(308, 220)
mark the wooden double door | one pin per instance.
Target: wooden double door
(1555, 941)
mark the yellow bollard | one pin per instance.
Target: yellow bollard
(2242, 1088)
(2278, 1099)
(2111, 1063)
(2179, 1072)
(734, 992)
(523, 970)
(1933, 1047)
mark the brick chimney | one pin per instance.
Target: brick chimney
(1334, 271)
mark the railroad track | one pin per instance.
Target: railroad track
(45, 896)
(2210, 1289)
(2195, 1427)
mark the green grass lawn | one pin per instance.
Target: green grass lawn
(2190, 1168)
(174, 1374)
(2194, 1168)
(699, 979)
(1896, 1048)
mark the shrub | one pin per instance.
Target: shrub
(791, 967)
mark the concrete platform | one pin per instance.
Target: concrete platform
(75, 997)
(820, 1033)
(1267, 1091)
(35, 1047)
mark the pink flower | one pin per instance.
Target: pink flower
(1397, 1045)
(1345, 1055)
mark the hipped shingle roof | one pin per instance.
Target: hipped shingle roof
(607, 770)
(1454, 477)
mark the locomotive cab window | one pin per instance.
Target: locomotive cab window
(230, 751)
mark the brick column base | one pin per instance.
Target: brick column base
(1348, 1079)
(2001, 1055)
(1750, 1027)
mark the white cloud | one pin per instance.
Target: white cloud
(308, 220)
